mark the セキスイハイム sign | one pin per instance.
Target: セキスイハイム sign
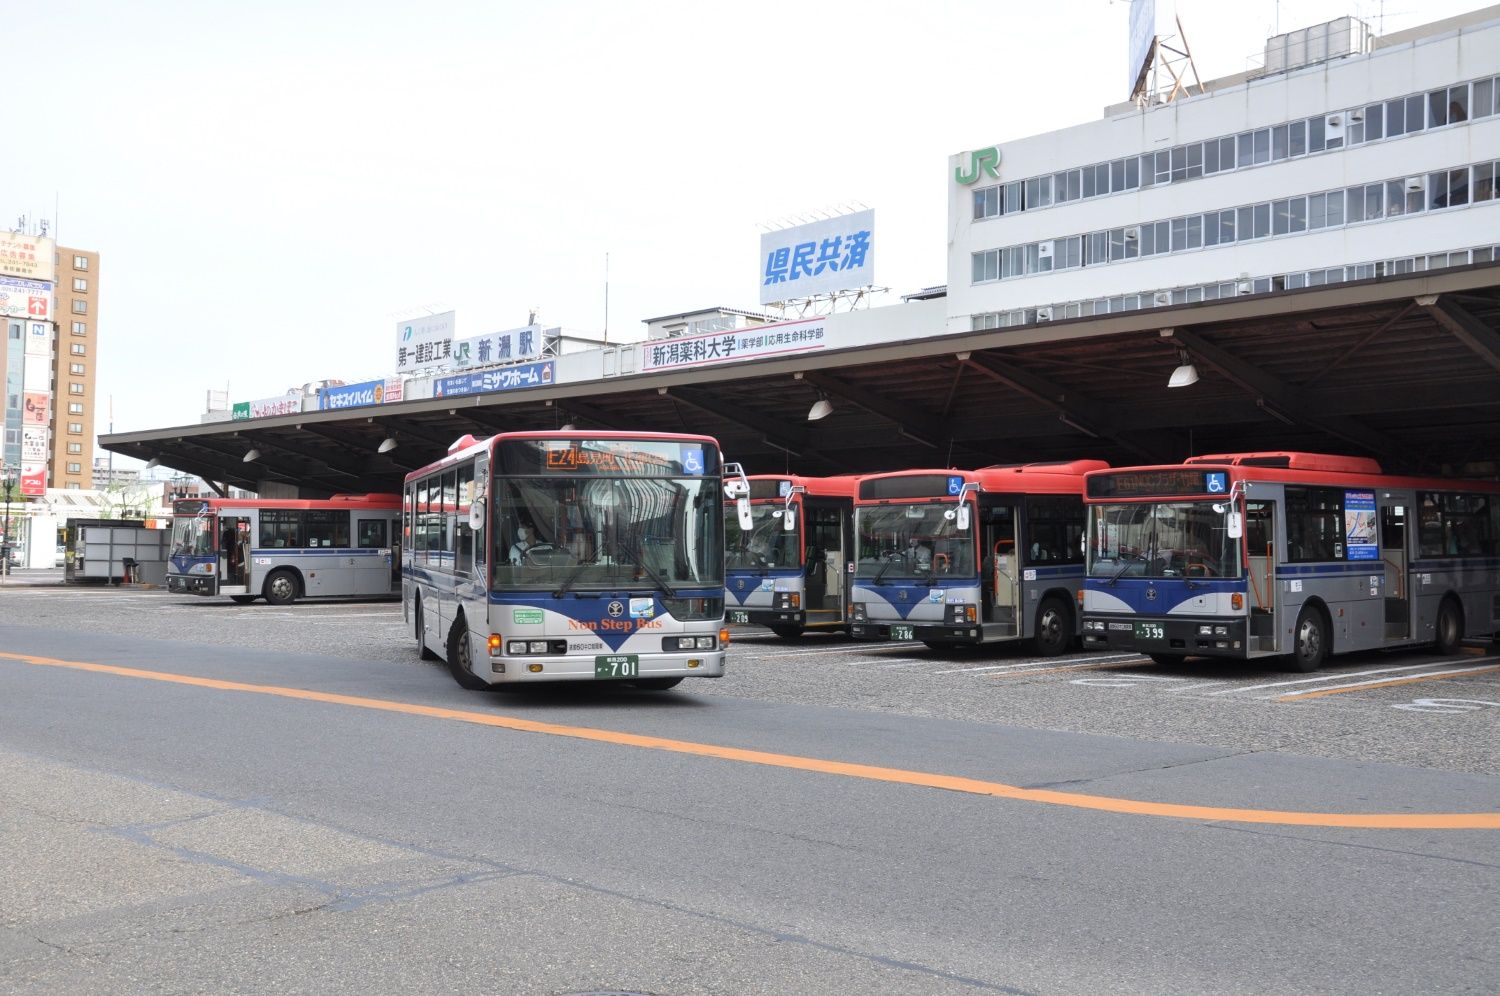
(823, 257)
(500, 379)
(371, 392)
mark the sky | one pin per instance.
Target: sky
(273, 185)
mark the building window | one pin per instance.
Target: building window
(81, 285)
(75, 428)
(80, 328)
(74, 387)
(76, 368)
(80, 262)
(73, 486)
(79, 349)
(80, 306)
(75, 408)
(75, 468)
(75, 449)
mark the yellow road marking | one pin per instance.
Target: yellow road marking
(1299, 696)
(972, 786)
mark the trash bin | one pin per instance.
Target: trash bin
(130, 565)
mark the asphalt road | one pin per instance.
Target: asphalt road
(191, 821)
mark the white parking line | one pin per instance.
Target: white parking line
(1060, 664)
(865, 649)
(1382, 681)
(1335, 677)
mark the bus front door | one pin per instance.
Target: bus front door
(1393, 556)
(1260, 568)
(824, 588)
(1002, 585)
(234, 550)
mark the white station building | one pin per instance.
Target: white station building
(1349, 157)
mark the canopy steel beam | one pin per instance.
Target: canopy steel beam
(261, 440)
(911, 422)
(771, 431)
(1480, 338)
(1280, 402)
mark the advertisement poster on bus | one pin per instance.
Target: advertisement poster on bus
(371, 392)
(425, 343)
(1361, 537)
(524, 343)
(21, 298)
(804, 336)
(501, 379)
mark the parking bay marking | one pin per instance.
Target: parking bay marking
(1363, 686)
(1331, 677)
(898, 776)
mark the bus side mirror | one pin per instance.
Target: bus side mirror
(963, 517)
(789, 522)
(476, 514)
(1236, 525)
(742, 506)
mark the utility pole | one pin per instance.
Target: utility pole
(8, 482)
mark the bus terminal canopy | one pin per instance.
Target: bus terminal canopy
(1405, 369)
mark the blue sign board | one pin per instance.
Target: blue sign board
(692, 460)
(513, 378)
(955, 486)
(1361, 536)
(371, 392)
(1216, 482)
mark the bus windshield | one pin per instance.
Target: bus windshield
(193, 535)
(1161, 540)
(565, 533)
(766, 544)
(919, 540)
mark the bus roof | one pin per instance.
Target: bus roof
(1057, 477)
(1189, 478)
(379, 502)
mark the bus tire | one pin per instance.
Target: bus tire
(657, 684)
(787, 632)
(422, 651)
(282, 588)
(1309, 640)
(242, 599)
(1167, 660)
(461, 658)
(1054, 628)
(1449, 628)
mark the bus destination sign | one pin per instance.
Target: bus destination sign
(609, 457)
(1152, 483)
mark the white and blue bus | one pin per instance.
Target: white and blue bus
(964, 557)
(790, 569)
(284, 549)
(1287, 555)
(567, 556)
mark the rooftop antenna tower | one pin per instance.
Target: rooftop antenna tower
(1160, 59)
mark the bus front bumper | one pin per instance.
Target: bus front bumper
(190, 584)
(1178, 636)
(581, 667)
(933, 632)
(765, 617)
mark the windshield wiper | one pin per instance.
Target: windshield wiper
(1119, 574)
(567, 585)
(883, 568)
(660, 582)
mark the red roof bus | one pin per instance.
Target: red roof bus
(789, 568)
(956, 557)
(1286, 554)
(284, 549)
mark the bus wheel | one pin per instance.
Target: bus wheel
(242, 599)
(787, 632)
(281, 587)
(422, 651)
(1449, 629)
(1053, 628)
(657, 684)
(1167, 660)
(461, 658)
(1309, 640)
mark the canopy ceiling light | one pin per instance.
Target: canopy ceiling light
(153, 463)
(252, 455)
(822, 408)
(387, 444)
(1186, 373)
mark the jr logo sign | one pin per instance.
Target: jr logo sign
(981, 162)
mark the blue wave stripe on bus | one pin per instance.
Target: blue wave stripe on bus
(320, 551)
(589, 612)
(889, 592)
(1170, 592)
(753, 578)
(1309, 570)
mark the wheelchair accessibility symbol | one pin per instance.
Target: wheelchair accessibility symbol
(692, 461)
(955, 485)
(1217, 483)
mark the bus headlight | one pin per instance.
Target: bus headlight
(704, 643)
(1205, 631)
(537, 646)
(860, 614)
(1221, 631)
(516, 647)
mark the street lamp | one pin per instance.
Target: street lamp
(8, 481)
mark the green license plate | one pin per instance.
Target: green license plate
(617, 666)
(739, 617)
(903, 633)
(1150, 631)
